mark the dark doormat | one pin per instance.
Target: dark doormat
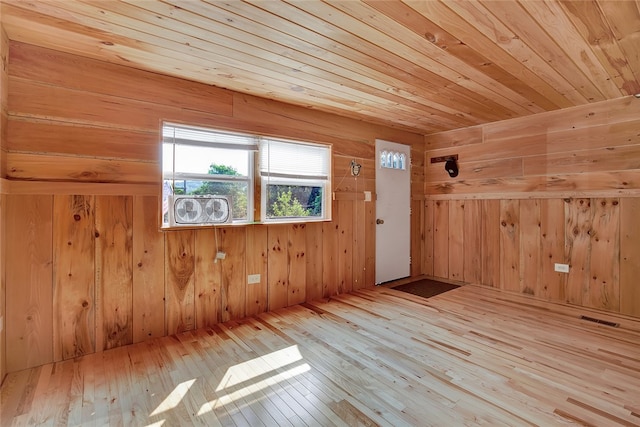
(425, 288)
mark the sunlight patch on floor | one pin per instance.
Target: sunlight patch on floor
(254, 375)
(253, 387)
(174, 398)
(245, 371)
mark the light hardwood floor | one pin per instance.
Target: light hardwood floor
(375, 357)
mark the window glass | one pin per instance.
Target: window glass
(295, 180)
(206, 165)
(383, 159)
(288, 201)
(198, 160)
(393, 160)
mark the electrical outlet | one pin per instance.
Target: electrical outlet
(253, 278)
(219, 255)
(561, 268)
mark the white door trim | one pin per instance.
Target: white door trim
(393, 211)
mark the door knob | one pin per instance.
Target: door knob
(379, 221)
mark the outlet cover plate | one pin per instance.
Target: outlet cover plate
(561, 268)
(253, 278)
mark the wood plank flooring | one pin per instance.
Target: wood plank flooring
(471, 356)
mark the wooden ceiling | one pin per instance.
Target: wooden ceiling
(422, 65)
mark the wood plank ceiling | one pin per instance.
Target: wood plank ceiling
(422, 65)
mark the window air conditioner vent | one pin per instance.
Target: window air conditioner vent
(200, 210)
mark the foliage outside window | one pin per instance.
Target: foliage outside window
(202, 162)
(199, 162)
(295, 180)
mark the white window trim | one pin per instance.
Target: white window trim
(323, 181)
(254, 169)
(179, 176)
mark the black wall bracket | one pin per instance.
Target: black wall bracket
(442, 159)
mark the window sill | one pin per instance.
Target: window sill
(241, 224)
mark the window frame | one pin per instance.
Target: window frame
(256, 180)
(172, 176)
(326, 207)
(295, 179)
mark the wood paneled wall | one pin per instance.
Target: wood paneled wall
(557, 187)
(4, 97)
(578, 150)
(92, 271)
(89, 273)
(513, 244)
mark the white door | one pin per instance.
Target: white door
(393, 206)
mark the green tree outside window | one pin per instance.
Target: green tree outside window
(237, 190)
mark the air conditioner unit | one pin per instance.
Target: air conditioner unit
(200, 210)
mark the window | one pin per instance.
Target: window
(393, 160)
(202, 163)
(295, 178)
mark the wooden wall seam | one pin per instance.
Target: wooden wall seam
(4, 101)
(629, 259)
(629, 193)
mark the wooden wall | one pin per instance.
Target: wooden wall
(575, 151)
(89, 273)
(513, 244)
(90, 269)
(560, 187)
(4, 96)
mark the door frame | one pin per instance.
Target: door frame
(393, 249)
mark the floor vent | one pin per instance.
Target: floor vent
(600, 321)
